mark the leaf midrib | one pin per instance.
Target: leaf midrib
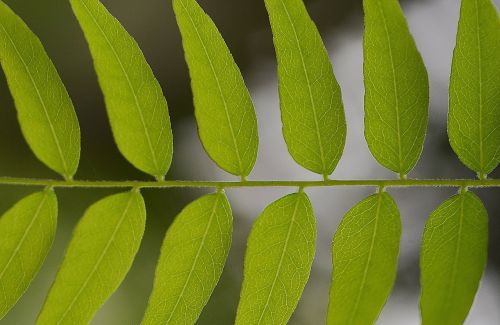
(136, 100)
(311, 97)
(280, 263)
(480, 124)
(221, 94)
(456, 256)
(67, 174)
(99, 260)
(195, 261)
(25, 234)
(368, 261)
(394, 81)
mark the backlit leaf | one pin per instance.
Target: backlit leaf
(312, 112)
(45, 111)
(280, 252)
(99, 256)
(474, 116)
(365, 256)
(396, 88)
(192, 259)
(454, 253)
(227, 124)
(27, 231)
(135, 103)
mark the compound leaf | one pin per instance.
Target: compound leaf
(99, 256)
(136, 107)
(396, 88)
(474, 115)
(312, 112)
(27, 231)
(226, 119)
(365, 254)
(279, 256)
(192, 259)
(454, 253)
(45, 111)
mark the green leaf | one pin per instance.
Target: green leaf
(280, 252)
(45, 111)
(227, 124)
(135, 103)
(27, 231)
(474, 115)
(396, 88)
(454, 253)
(192, 259)
(99, 256)
(365, 257)
(312, 112)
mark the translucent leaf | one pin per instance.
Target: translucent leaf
(135, 103)
(474, 116)
(27, 231)
(227, 124)
(45, 111)
(365, 256)
(280, 252)
(454, 253)
(99, 256)
(192, 259)
(396, 88)
(312, 112)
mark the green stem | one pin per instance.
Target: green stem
(263, 183)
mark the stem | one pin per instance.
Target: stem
(264, 183)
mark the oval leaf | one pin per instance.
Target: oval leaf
(365, 256)
(474, 115)
(192, 259)
(396, 88)
(27, 231)
(99, 256)
(312, 112)
(223, 108)
(136, 107)
(279, 256)
(45, 111)
(454, 253)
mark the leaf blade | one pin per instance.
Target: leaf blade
(365, 252)
(203, 258)
(312, 111)
(453, 259)
(474, 109)
(227, 124)
(137, 109)
(84, 282)
(283, 237)
(396, 88)
(28, 227)
(45, 112)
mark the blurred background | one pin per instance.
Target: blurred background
(245, 27)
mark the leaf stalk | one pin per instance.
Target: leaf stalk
(457, 183)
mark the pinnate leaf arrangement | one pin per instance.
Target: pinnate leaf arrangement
(281, 245)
